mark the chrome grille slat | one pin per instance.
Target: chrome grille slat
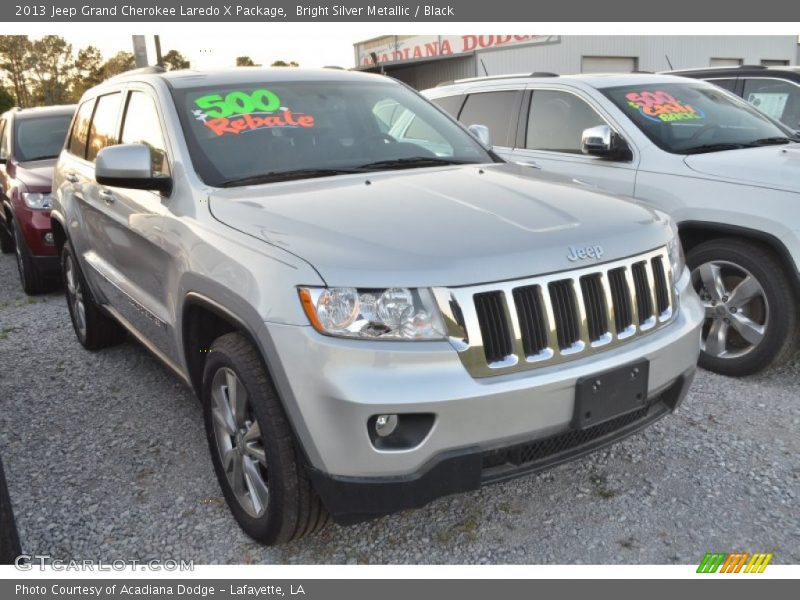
(511, 326)
(531, 319)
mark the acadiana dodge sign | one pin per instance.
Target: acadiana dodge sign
(398, 48)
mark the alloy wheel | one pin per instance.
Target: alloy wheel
(238, 436)
(736, 309)
(75, 296)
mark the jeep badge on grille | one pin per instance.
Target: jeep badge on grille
(585, 252)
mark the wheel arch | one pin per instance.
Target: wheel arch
(693, 233)
(202, 320)
(59, 233)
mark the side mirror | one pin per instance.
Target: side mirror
(482, 134)
(603, 141)
(129, 166)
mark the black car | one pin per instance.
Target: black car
(774, 90)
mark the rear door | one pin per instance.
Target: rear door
(69, 184)
(552, 124)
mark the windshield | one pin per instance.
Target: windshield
(686, 118)
(261, 132)
(38, 138)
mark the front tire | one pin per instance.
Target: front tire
(32, 280)
(94, 328)
(751, 309)
(257, 463)
(6, 240)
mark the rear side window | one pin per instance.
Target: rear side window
(775, 98)
(556, 121)
(142, 126)
(450, 104)
(495, 110)
(726, 84)
(80, 129)
(103, 131)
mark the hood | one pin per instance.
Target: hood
(769, 166)
(441, 226)
(36, 173)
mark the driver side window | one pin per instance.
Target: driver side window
(556, 121)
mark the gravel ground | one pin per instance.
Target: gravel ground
(106, 458)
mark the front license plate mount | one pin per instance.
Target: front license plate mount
(603, 396)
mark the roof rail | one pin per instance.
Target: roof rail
(149, 70)
(493, 77)
(752, 67)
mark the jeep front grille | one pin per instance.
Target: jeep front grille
(516, 325)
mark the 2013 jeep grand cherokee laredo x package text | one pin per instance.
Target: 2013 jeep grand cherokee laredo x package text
(370, 323)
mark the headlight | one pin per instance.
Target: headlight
(37, 199)
(385, 314)
(676, 258)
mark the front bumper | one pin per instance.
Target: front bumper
(332, 387)
(352, 499)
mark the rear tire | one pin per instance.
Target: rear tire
(751, 308)
(93, 327)
(32, 280)
(257, 462)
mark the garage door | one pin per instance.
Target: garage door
(608, 64)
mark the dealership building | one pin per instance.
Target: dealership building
(424, 61)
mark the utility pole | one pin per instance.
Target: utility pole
(139, 51)
(159, 59)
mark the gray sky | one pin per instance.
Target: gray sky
(221, 51)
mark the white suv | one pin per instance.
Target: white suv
(727, 174)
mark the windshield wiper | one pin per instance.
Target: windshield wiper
(273, 176)
(412, 162)
(770, 141)
(712, 148)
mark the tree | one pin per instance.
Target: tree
(281, 63)
(52, 64)
(119, 63)
(14, 55)
(89, 71)
(245, 61)
(6, 100)
(174, 60)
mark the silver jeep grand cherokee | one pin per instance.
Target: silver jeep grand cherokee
(371, 320)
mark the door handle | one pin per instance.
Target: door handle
(71, 177)
(107, 196)
(529, 163)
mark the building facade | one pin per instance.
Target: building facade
(425, 61)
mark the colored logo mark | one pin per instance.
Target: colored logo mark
(736, 562)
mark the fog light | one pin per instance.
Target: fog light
(48, 238)
(385, 425)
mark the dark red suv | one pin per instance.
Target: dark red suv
(30, 141)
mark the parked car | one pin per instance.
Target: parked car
(30, 140)
(775, 91)
(368, 324)
(9, 536)
(728, 175)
